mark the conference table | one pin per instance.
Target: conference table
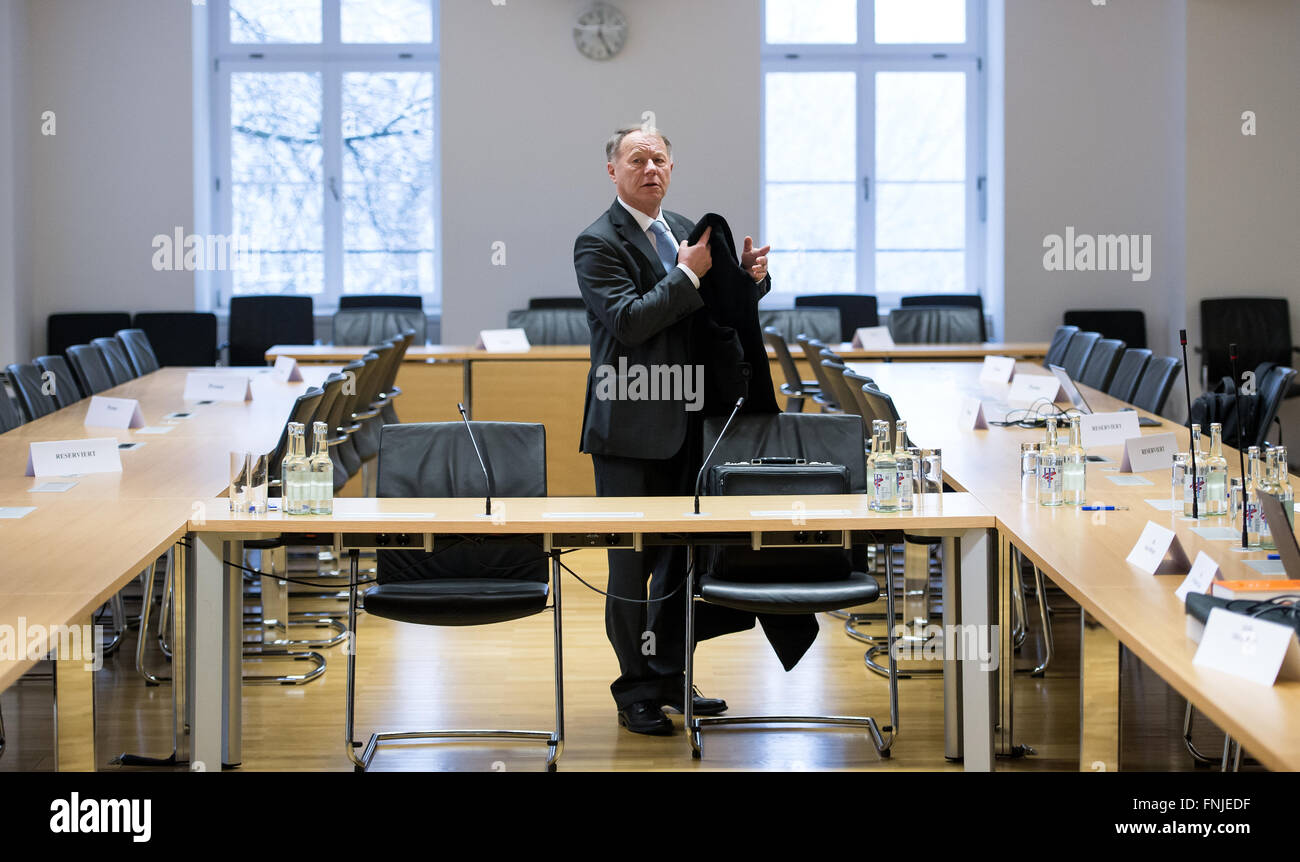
(1084, 553)
(548, 384)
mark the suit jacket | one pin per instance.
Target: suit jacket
(640, 314)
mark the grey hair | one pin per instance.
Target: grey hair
(615, 141)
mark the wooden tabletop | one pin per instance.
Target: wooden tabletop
(1084, 552)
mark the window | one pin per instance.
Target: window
(324, 133)
(872, 146)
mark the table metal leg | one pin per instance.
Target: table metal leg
(206, 628)
(1008, 576)
(978, 615)
(74, 696)
(952, 730)
(182, 572)
(1099, 693)
(232, 657)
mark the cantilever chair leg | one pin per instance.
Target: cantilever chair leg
(1045, 618)
(146, 605)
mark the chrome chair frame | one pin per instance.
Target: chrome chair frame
(554, 739)
(694, 726)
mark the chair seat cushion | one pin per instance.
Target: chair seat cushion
(457, 601)
(792, 597)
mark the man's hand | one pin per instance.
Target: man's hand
(754, 260)
(698, 258)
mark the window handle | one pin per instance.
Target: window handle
(866, 188)
(334, 188)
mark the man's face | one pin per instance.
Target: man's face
(641, 170)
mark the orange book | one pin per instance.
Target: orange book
(1260, 590)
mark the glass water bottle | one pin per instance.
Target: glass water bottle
(1050, 491)
(1253, 511)
(1196, 467)
(1074, 467)
(322, 473)
(1216, 480)
(884, 473)
(1268, 485)
(871, 463)
(295, 474)
(1285, 494)
(906, 465)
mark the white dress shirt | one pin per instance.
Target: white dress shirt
(644, 221)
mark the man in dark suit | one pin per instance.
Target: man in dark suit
(640, 279)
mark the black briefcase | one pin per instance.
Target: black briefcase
(775, 476)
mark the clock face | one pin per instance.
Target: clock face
(601, 32)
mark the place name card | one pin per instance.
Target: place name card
(503, 341)
(1254, 649)
(1108, 429)
(1028, 388)
(997, 369)
(1200, 578)
(873, 338)
(69, 457)
(286, 370)
(8, 512)
(1153, 452)
(971, 415)
(203, 386)
(114, 413)
(1158, 552)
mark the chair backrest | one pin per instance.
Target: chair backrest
(65, 390)
(139, 351)
(836, 439)
(551, 325)
(1126, 325)
(66, 329)
(378, 375)
(380, 301)
(119, 366)
(812, 349)
(303, 410)
(834, 372)
(954, 300)
(1157, 380)
(856, 310)
(1076, 355)
(1102, 363)
(557, 302)
(259, 322)
(1131, 365)
(332, 390)
(793, 380)
(854, 384)
(340, 416)
(91, 370)
(1271, 392)
(822, 324)
(437, 459)
(1060, 343)
(936, 324)
(181, 338)
(10, 416)
(1260, 326)
(366, 326)
(392, 364)
(28, 382)
(882, 407)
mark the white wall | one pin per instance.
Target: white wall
(1094, 139)
(119, 170)
(15, 124)
(524, 122)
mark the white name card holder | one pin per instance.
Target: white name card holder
(73, 457)
(998, 369)
(114, 413)
(1153, 452)
(972, 414)
(201, 386)
(1248, 647)
(1203, 573)
(1108, 429)
(503, 341)
(1028, 388)
(286, 370)
(873, 338)
(1158, 552)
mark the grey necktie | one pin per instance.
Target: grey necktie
(664, 245)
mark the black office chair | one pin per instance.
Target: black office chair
(370, 418)
(833, 371)
(66, 329)
(795, 389)
(342, 421)
(181, 338)
(787, 581)
(825, 395)
(822, 324)
(28, 385)
(1272, 390)
(90, 369)
(10, 416)
(1102, 363)
(257, 323)
(570, 302)
(470, 582)
(64, 388)
(1131, 365)
(119, 366)
(1076, 355)
(551, 325)
(1261, 329)
(350, 301)
(936, 324)
(856, 310)
(139, 351)
(367, 326)
(1128, 326)
(957, 300)
(854, 382)
(391, 391)
(1060, 343)
(1157, 381)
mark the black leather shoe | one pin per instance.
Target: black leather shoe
(700, 704)
(645, 716)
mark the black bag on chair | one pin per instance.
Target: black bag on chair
(1220, 405)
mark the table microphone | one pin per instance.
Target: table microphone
(1187, 384)
(1241, 435)
(700, 476)
(487, 477)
